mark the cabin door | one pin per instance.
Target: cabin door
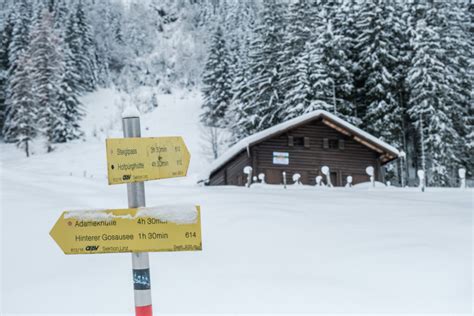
(273, 176)
(334, 179)
(359, 178)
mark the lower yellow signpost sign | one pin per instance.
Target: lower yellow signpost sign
(164, 228)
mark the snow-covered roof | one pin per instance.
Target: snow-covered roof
(246, 142)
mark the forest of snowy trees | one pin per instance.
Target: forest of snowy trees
(54, 51)
(402, 70)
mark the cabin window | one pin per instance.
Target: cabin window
(333, 143)
(341, 144)
(298, 141)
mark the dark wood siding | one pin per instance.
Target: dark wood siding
(218, 177)
(352, 158)
(310, 147)
(232, 172)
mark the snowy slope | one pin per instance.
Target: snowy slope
(265, 249)
(176, 115)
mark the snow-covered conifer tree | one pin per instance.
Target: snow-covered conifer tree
(22, 117)
(18, 46)
(237, 26)
(469, 139)
(79, 38)
(217, 82)
(344, 22)
(111, 52)
(332, 79)
(264, 105)
(294, 59)
(47, 69)
(378, 45)
(430, 96)
(61, 12)
(458, 43)
(300, 99)
(69, 108)
(5, 40)
(239, 102)
(240, 24)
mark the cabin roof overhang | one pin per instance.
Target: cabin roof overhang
(386, 151)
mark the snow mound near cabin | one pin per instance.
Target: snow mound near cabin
(368, 185)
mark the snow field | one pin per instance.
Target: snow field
(264, 251)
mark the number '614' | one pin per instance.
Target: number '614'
(190, 235)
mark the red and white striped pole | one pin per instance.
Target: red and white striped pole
(136, 198)
(141, 284)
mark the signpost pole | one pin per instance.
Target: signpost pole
(136, 198)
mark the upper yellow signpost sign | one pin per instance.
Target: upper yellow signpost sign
(129, 230)
(143, 159)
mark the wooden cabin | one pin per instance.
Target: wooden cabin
(303, 145)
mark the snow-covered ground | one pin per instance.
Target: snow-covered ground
(265, 249)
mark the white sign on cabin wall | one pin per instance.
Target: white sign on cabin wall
(280, 158)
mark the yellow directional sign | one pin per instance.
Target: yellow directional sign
(142, 159)
(167, 228)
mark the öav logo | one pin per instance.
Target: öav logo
(126, 177)
(92, 248)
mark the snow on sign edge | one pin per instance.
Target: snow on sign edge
(249, 140)
(178, 214)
